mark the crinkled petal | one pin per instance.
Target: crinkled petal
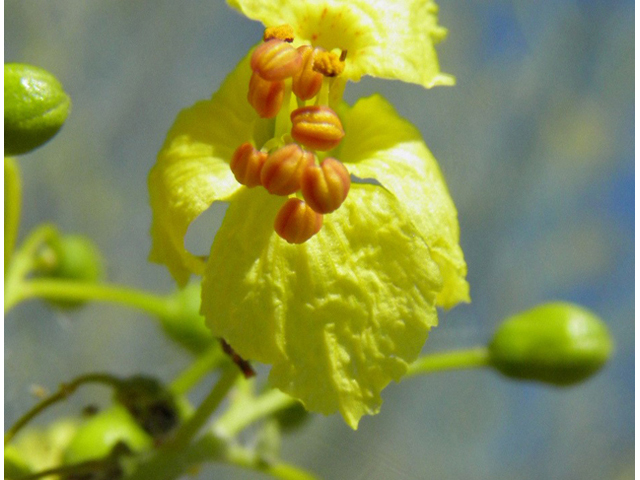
(339, 316)
(384, 38)
(379, 144)
(192, 170)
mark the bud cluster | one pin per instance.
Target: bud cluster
(279, 68)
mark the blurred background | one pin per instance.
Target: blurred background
(536, 142)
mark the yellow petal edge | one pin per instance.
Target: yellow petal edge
(391, 39)
(192, 169)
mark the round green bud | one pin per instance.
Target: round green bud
(71, 257)
(14, 464)
(97, 437)
(35, 107)
(557, 343)
(183, 323)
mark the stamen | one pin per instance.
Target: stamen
(276, 60)
(325, 187)
(296, 222)
(264, 96)
(316, 127)
(281, 32)
(246, 164)
(307, 82)
(328, 63)
(283, 169)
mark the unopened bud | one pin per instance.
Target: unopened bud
(283, 169)
(71, 257)
(276, 60)
(557, 343)
(264, 96)
(307, 82)
(35, 107)
(246, 164)
(281, 32)
(325, 187)
(316, 127)
(296, 222)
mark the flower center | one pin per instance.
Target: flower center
(285, 77)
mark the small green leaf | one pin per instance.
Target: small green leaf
(35, 107)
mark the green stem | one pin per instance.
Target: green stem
(242, 457)
(23, 263)
(12, 206)
(170, 464)
(65, 390)
(438, 362)
(54, 289)
(244, 413)
(202, 366)
(191, 427)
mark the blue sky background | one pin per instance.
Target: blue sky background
(536, 141)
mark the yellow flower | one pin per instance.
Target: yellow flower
(344, 313)
(391, 39)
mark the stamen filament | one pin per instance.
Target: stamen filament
(283, 120)
(323, 95)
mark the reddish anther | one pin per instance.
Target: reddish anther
(296, 222)
(276, 60)
(316, 127)
(325, 187)
(246, 164)
(307, 82)
(283, 169)
(264, 96)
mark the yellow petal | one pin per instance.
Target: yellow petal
(339, 316)
(384, 38)
(380, 144)
(192, 170)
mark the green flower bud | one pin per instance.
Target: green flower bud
(151, 405)
(14, 464)
(183, 322)
(557, 343)
(97, 437)
(35, 107)
(73, 257)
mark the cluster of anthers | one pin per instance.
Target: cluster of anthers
(289, 164)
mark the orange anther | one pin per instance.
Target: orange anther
(276, 60)
(307, 82)
(316, 127)
(283, 169)
(264, 96)
(325, 187)
(328, 63)
(281, 32)
(246, 164)
(296, 222)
